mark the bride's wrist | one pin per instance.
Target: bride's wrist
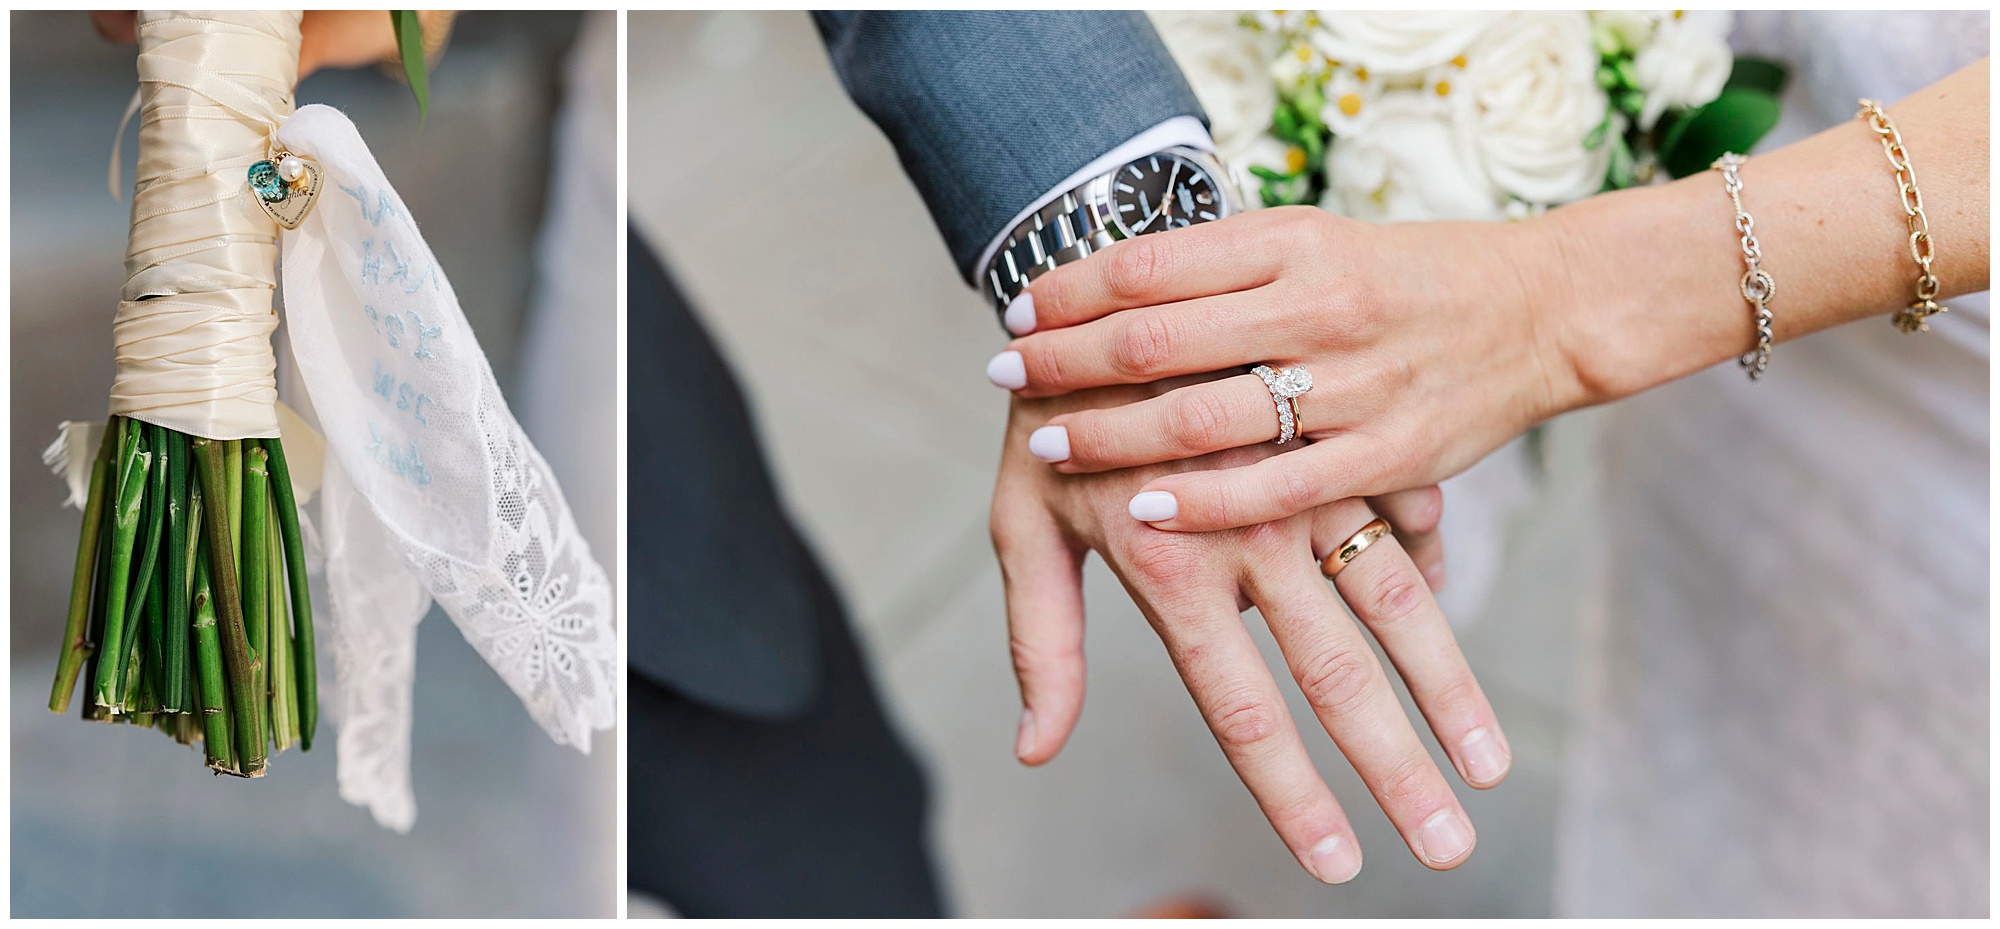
(1639, 290)
(1543, 256)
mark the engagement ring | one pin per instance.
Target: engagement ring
(1286, 386)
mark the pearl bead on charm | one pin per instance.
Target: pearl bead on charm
(291, 168)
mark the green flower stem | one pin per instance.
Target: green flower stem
(146, 664)
(210, 462)
(295, 570)
(209, 665)
(147, 624)
(76, 631)
(284, 687)
(232, 468)
(101, 590)
(175, 641)
(256, 576)
(124, 531)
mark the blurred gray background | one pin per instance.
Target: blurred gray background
(790, 224)
(118, 822)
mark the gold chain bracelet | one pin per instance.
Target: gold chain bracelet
(1910, 318)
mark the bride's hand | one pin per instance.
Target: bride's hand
(1431, 344)
(1193, 588)
(1422, 349)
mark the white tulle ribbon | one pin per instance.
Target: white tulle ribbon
(429, 491)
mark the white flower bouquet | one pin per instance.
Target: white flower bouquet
(1400, 116)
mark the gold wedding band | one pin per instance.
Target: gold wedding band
(1354, 546)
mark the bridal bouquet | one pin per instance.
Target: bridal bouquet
(191, 609)
(1395, 116)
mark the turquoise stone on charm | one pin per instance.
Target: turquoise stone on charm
(265, 181)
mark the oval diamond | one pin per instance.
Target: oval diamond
(1292, 381)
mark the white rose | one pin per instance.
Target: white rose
(1525, 103)
(1396, 43)
(1686, 64)
(1228, 67)
(1407, 167)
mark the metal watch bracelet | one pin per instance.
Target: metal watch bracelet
(1077, 223)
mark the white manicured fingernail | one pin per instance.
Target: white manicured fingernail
(1485, 757)
(1020, 315)
(1153, 506)
(1445, 837)
(1050, 443)
(1007, 370)
(1335, 860)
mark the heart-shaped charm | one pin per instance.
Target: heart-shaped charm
(285, 188)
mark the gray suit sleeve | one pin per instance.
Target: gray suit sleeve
(989, 110)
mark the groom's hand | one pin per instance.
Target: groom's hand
(1193, 588)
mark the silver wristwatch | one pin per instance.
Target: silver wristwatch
(1168, 189)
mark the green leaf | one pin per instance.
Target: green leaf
(410, 42)
(1628, 74)
(1314, 145)
(1309, 102)
(1759, 74)
(1598, 134)
(1619, 176)
(1284, 123)
(1733, 122)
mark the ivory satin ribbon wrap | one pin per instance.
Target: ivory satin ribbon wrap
(429, 491)
(193, 331)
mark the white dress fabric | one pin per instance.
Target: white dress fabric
(1786, 674)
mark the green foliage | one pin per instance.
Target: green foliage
(1296, 122)
(1732, 122)
(1758, 74)
(410, 43)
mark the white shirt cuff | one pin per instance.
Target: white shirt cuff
(1181, 130)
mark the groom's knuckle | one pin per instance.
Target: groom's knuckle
(1199, 421)
(1335, 680)
(1409, 780)
(1006, 536)
(1143, 345)
(1037, 658)
(1275, 538)
(1165, 559)
(1395, 597)
(1136, 268)
(1243, 719)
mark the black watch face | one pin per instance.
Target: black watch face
(1161, 192)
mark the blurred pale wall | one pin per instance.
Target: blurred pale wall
(786, 217)
(111, 822)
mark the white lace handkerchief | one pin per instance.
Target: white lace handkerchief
(431, 491)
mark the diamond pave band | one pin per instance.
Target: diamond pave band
(1286, 386)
